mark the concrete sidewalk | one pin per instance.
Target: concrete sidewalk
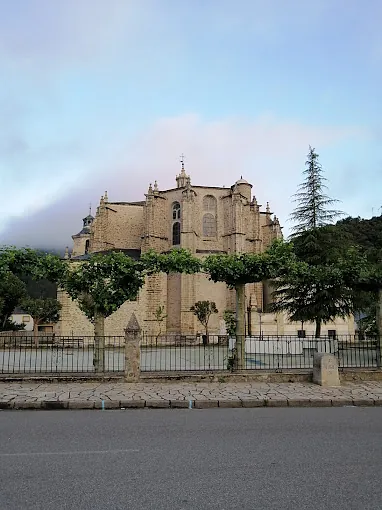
(180, 395)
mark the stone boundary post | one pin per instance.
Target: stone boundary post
(132, 350)
(325, 369)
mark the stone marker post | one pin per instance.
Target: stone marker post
(325, 369)
(132, 350)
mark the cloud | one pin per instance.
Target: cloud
(268, 151)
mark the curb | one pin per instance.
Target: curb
(184, 404)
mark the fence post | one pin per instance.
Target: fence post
(132, 350)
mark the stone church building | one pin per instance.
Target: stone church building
(203, 219)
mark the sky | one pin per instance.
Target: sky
(100, 95)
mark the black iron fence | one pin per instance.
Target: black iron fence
(60, 355)
(275, 353)
(291, 352)
(175, 353)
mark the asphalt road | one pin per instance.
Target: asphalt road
(247, 459)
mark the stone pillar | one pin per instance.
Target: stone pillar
(325, 369)
(132, 350)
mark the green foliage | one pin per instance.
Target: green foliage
(104, 282)
(313, 205)
(50, 267)
(176, 261)
(245, 268)
(16, 260)
(36, 264)
(203, 311)
(366, 234)
(230, 322)
(42, 310)
(321, 246)
(39, 288)
(313, 293)
(12, 291)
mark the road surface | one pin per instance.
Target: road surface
(245, 459)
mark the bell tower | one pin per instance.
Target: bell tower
(182, 180)
(81, 241)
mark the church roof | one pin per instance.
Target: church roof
(241, 181)
(85, 230)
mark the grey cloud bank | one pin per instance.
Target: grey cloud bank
(268, 152)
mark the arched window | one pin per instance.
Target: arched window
(176, 211)
(176, 233)
(87, 246)
(209, 203)
(209, 218)
(209, 225)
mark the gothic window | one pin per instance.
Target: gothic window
(176, 211)
(176, 233)
(209, 203)
(87, 246)
(209, 225)
(209, 218)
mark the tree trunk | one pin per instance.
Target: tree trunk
(318, 328)
(207, 337)
(99, 343)
(379, 327)
(240, 326)
(35, 332)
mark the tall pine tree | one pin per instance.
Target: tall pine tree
(314, 293)
(314, 206)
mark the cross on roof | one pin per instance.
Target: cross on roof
(182, 158)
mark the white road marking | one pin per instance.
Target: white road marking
(92, 452)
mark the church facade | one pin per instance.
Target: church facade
(202, 219)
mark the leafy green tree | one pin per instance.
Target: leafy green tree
(104, 282)
(366, 235)
(42, 311)
(239, 269)
(36, 264)
(203, 311)
(100, 286)
(363, 275)
(12, 291)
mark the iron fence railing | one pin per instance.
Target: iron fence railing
(175, 353)
(184, 353)
(292, 352)
(59, 355)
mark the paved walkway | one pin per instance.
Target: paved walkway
(177, 395)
